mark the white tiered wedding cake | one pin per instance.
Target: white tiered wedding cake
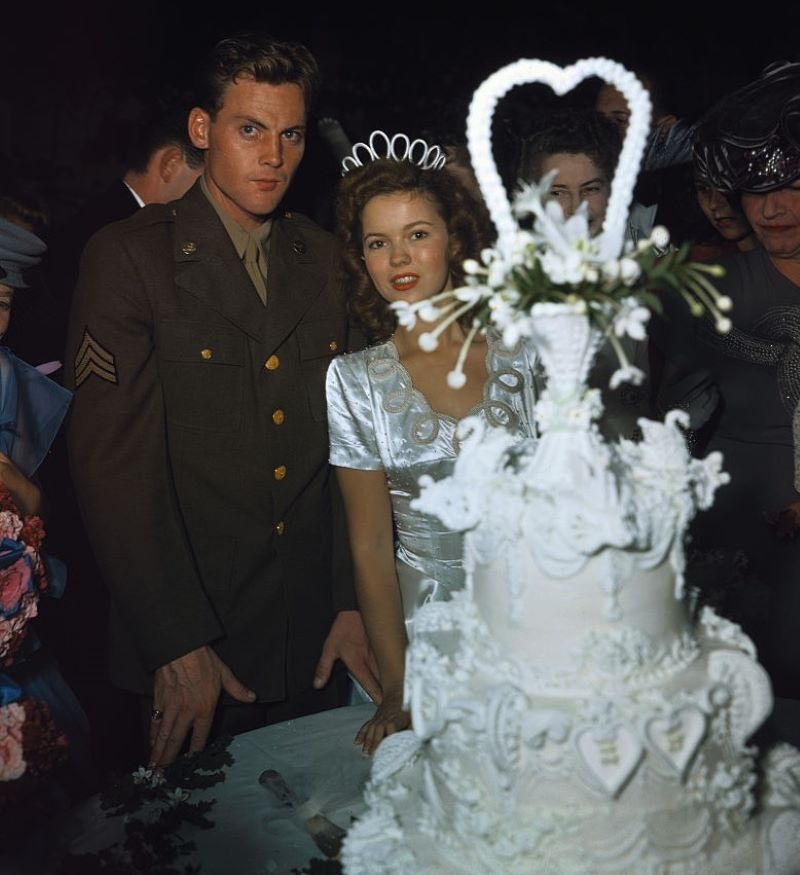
(572, 713)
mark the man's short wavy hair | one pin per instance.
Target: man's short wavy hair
(257, 56)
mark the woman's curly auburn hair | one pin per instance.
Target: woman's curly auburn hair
(468, 224)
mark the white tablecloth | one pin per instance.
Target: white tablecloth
(253, 833)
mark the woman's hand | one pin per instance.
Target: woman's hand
(389, 718)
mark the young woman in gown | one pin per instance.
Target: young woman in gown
(392, 416)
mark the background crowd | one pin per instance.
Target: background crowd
(70, 71)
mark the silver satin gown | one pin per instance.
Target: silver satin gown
(379, 421)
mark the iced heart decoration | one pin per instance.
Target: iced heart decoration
(561, 80)
(676, 738)
(611, 757)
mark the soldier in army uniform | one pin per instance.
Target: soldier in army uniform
(199, 338)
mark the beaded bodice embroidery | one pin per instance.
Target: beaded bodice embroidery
(774, 340)
(504, 381)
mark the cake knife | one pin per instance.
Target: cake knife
(326, 834)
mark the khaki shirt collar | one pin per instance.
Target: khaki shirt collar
(239, 236)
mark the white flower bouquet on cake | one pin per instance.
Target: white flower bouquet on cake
(617, 284)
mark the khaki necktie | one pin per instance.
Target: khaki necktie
(251, 254)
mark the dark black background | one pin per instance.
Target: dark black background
(66, 67)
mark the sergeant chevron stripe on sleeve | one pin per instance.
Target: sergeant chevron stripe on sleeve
(92, 358)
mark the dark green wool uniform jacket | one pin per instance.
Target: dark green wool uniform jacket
(199, 447)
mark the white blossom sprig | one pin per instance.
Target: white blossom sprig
(559, 261)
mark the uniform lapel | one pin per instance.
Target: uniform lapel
(208, 268)
(293, 281)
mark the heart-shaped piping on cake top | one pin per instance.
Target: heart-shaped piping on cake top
(561, 80)
(611, 756)
(676, 738)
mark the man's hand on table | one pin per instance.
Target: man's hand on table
(185, 696)
(347, 640)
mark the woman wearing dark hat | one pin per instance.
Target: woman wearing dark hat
(743, 388)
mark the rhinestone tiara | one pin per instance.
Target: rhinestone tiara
(399, 147)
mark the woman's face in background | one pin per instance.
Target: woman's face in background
(579, 180)
(726, 219)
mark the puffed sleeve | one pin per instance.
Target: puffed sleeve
(351, 424)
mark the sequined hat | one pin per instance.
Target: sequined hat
(750, 140)
(19, 250)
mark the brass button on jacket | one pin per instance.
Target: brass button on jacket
(280, 472)
(278, 416)
(280, 527)
(272, 363)
(206, 353)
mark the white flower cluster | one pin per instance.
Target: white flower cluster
(559, 261)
